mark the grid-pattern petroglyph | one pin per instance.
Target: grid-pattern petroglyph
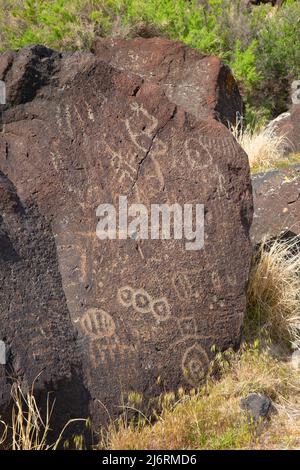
(104, 344)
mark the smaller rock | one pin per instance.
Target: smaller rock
(276, 203)
(257, 406)
(287, 125)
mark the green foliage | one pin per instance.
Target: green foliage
(261, 45)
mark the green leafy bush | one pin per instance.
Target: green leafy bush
(260, 44)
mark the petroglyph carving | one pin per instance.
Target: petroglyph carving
(125, 171)
(140, 114)
(142, 302)
(182, 286)
(216, 280)
(98, 324)
(195, 364)
(161, 309)
(188, 327)
(109, 351)
(195, 156)
(89, 111)
(69, 115)
(104, 345)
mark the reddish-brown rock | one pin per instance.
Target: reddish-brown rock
(200, 84)
(109, 317)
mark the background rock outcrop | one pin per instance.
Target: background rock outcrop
(276, 197)
(104, 318)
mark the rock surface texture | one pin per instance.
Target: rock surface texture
(103, 318)
(257, 406)
(276, 196)
(288, 125)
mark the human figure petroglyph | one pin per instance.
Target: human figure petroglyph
(144, 303)
(133, 124)
(123, 166)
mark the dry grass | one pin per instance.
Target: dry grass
(263, 147)
(211, 418)
(28, 429)
(274, 291)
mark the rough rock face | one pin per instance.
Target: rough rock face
(288, 125)
(200, 84)
(276, 203)
(107, 317)
(35, 322)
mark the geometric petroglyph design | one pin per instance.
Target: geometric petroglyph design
(104, 344)
(195, 365)
(142, 302)
(182, 286)
(97, 324)
(109, 351)
(187, 327)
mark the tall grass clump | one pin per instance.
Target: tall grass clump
(265, 148)
(29, 429)
(274, 291)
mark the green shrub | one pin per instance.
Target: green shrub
(261, 45)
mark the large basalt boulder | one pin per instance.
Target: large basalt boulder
(276, 196)
(107, 317)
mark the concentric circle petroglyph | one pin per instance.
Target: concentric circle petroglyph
(142, 302)
(195, 364)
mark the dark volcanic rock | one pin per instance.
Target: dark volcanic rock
(104, 318)
(200, 84)
(257, 406)
(276, 203)
(35, 322)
